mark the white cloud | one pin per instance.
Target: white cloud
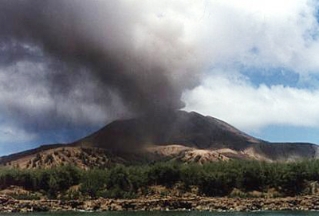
(259, 34)
(236, 101)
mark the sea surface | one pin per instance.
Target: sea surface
(270, 213)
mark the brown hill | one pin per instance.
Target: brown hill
(182, 136)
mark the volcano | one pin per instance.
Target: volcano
(179, 136)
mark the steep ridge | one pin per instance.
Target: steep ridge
(180, 136)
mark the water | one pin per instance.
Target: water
(282, 213)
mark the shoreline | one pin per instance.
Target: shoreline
(222, 204)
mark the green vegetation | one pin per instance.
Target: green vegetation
(213, 179)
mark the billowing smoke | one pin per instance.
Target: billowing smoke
(114, 53)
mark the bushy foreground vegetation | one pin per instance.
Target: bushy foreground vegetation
(213, 179)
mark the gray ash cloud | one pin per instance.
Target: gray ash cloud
(104, 54)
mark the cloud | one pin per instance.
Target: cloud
(14, 139)
(138, 52)
(11, 134)
(28, 100)
(259, 34)
(234, 99)
(264, 38)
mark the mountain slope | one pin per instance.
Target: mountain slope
(188, 129)
(181, 136)
(194, 131)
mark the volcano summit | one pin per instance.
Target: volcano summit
(177, 136)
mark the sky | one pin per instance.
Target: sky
(68, 68)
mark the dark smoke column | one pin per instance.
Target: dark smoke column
(147, 64)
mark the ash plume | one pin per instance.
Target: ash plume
(111, 45)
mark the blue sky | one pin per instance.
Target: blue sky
(253, 64)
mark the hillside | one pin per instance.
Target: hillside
(187, 129)
(178, 136)
(191, 132)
